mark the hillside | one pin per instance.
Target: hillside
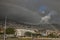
(14, 24)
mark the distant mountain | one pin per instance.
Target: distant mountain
(14, 24)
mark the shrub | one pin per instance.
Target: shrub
(52, 35)
(10, 31)
(28, 34)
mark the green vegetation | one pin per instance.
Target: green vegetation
(10, 31)
(1, 33)
(53, 36)
(24, 38)
(30, 34)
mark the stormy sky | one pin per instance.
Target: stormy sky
(30, 11)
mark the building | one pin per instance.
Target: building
(21, 32)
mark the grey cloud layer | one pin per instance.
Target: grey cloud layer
(26, 11)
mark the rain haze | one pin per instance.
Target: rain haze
(31, 11)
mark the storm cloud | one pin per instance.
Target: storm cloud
(26, 11)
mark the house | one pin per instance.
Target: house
(21, 32)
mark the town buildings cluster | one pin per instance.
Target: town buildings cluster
(21, 29)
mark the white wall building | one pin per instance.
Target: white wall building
(21, 32)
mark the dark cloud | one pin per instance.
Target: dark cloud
(26, 11)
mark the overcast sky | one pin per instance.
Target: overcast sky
(30, 11)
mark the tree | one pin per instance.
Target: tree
(28, 34)
(52, 35)
(10, 31)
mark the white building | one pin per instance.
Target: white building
(21, 32)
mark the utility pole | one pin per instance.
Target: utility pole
(5, 28)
